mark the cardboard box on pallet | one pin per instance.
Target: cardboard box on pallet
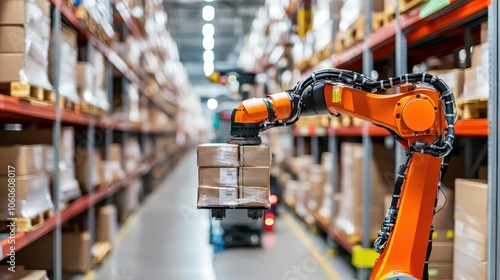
(214, 176)
(75, 253)
(210, 196)
(22, 274)
(255, 196)
(253, 156)
(24, 159)
(466, 266)
(476, 83)
(218, 155)
(43, 136)
(106, 224)
(127, 199)
(454, 78)
(32, 194)
(444, 218)
(17, 12)
(84, 161)
(254, 176)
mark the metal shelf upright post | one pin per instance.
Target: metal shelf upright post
(401, 65)
(493, 142)
(367, 60)
(90, 145)
(57, 234)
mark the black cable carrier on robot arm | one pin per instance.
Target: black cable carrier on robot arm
(441, 148)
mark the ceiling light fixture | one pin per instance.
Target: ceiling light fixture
(208, 43)
(208, 30)
(209, 1)
(208, 13)
(208, 68)
(208, 56)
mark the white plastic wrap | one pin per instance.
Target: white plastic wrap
(37, 27)
(68, 64)
(32, 196)
(233, 197)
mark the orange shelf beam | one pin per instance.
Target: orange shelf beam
(472, 127)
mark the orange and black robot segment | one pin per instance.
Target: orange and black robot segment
(421, 118)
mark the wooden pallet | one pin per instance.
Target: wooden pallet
(91, 24)
(407, 5)
(377, 20)
(64, 102)
(354, 34)
(24, 90)
(27, 224)
(389, 16)
(473, 108)
(99, 252)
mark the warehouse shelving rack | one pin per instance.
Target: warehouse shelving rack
(11, 108)
(397, 39)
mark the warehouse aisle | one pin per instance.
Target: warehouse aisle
(149, 247)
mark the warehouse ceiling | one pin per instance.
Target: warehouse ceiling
(232, 22)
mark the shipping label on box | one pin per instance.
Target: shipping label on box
(210, 196)
(213, 176)
(218, 155)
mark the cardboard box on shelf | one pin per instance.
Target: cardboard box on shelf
(466, 267)
(213, 176)
(15, 12)
(15, 62)
(75, 253)
(446, 208)
(132, 155)
(13, 39)
(454, 78)
(349, 220)
(110, 171)
(442, 252)
(254, 176)
(42, 136)
(127, 199)
(480, 55)
(84, 74)
(439, 271)
(255, 196)
(106, 224)
(69, 188)
(471, 203)
(252, 156)
(218, 155)
(471, 241)
(209, 196)
(484, 31)
(32, 193)
(48, 158)
(82, 163)
(476, 82)
(22, 160)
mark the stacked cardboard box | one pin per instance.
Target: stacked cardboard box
(25, 179)
(232, 175)
(471, 228)
(88, 169)
(441, 259)
(476, 81)
(106, 224)
(315, 194)
(349, 217)
(127, 200)
(75, 253)
(68, 185)
(24, 41)
(132, 155)
(454, 78)
(68, 49)
(111, 167)
(326, 212)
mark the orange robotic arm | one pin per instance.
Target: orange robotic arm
(421, 118)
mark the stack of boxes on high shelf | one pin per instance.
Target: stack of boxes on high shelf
(30, 155)
(233, 176)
